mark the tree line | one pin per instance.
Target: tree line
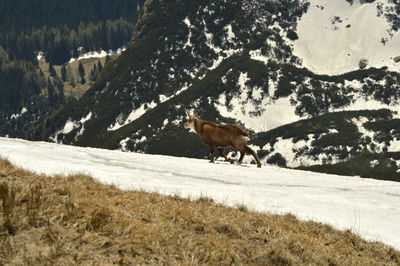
(22, 15)
(62, 43)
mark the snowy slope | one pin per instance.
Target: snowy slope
(97, 54)
(335, 35)
(367, 207)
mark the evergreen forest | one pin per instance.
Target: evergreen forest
(59, 31)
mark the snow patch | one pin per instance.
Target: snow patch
(394, 145)
(97, 54)
(40, 56)
(189, 25)
(123, 144)
(368, 207)
(135, 114)
(362, 103)
(256, 55)
(334, 39)
(261, 116)
(230, 34)
(16, 116)
(222, 54)
(70, 125)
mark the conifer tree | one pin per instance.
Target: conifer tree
(72, 81)
(99, 66)
(58, 82)
(64, 76)
(94, 73)
(52, 70)
(41, 79)
(51, 93)
(81, 70)
(108, 59)
(61, 96)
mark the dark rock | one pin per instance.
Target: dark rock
(292, 35)
(396, 59)
(122, 118)
(363, 63)
(202, 69)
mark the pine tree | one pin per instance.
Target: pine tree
(61, 97)
(42, 79)
(52, 70)
(64, 76)
(81, 70)
(72, 81)
(58, 82)
(99, 66)
(4, 55)
(94, 73)
(108, 59)
(51, 93)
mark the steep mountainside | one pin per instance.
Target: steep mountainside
(239, 61)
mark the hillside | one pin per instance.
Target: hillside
(367, 207)
(76, 220)
(244, 62)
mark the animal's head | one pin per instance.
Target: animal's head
(190, 120)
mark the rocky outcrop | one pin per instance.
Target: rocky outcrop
(363, 63)
(122, 118)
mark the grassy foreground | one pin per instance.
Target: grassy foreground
(76, 220)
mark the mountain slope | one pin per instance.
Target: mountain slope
(231, 62)
(77, 220)
(368, 207)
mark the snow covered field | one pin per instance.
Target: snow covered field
(335, 35)
(367, 207)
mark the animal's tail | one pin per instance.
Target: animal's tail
(241, 130)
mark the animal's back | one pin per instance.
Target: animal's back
(223, 135)
(213, 134)
(235, 128)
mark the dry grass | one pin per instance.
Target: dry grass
(76, 220)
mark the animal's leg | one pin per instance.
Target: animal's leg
(213, 151)
(246, 149)
(221, 152)
(240, 148)
(252, 152)
(241, 157)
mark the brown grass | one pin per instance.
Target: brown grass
(76, 220)
(72, 69)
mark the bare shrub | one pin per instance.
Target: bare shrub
(33, 203)
(7, 196)
(69, 204)
(6, 249)
(99, 219)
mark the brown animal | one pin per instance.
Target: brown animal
(219, 136)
